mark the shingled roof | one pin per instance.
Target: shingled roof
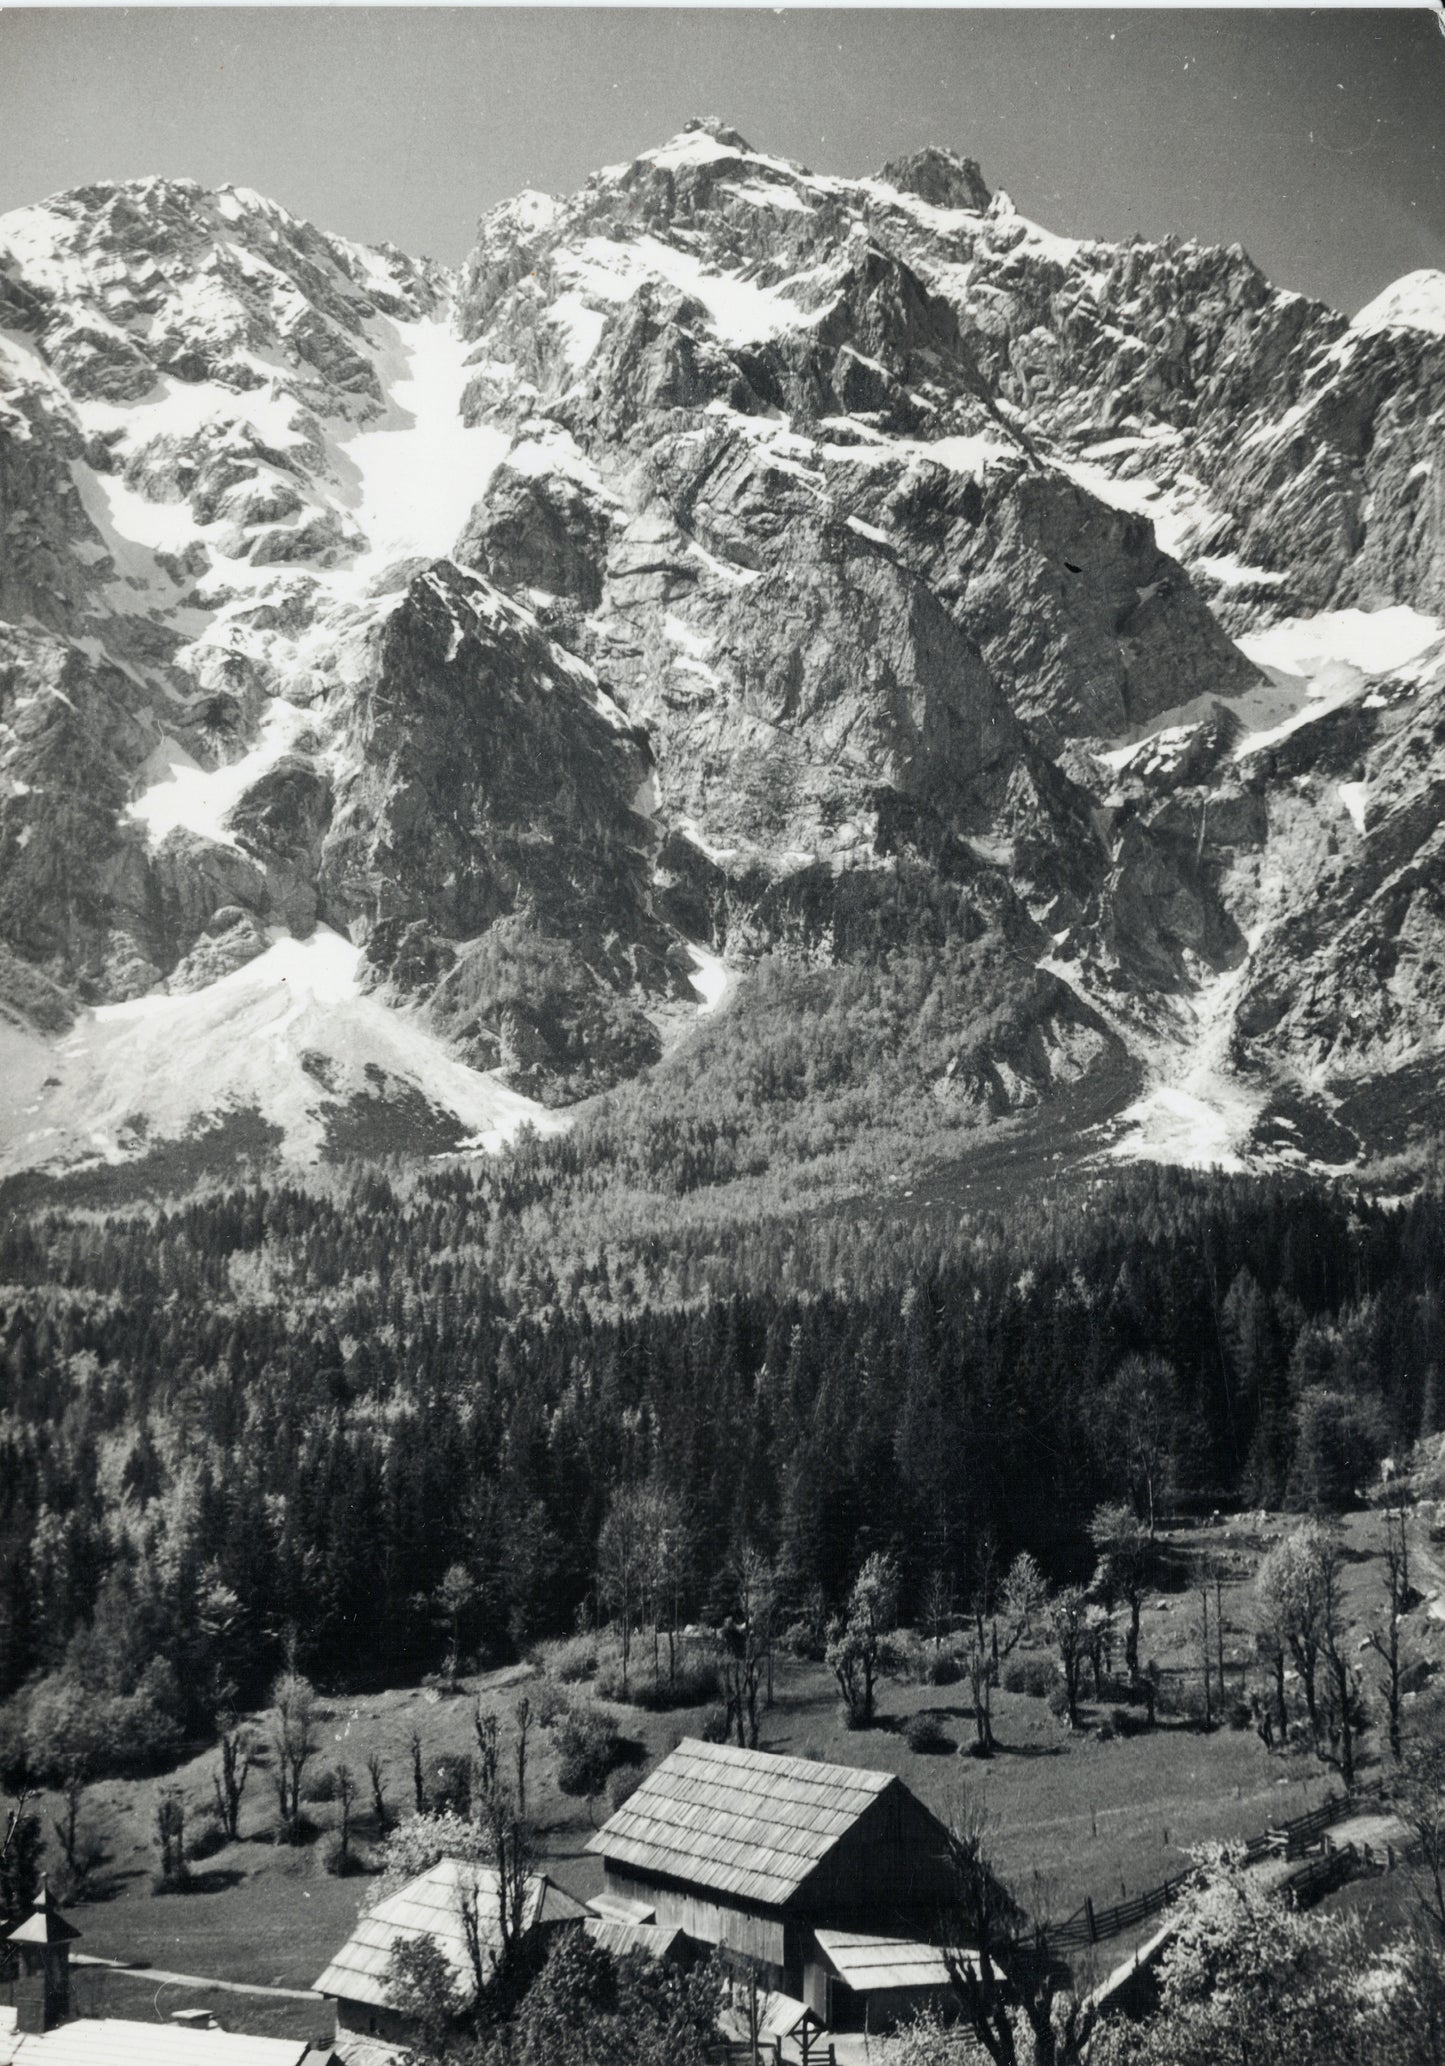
(113, 2041)
(431, 1906)
(875, 1965)
(743, 1822)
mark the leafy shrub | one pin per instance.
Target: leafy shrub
(416, 1844)
(607, 1685)
(713, 1726)
(1127, 1721)
(553, 1701)
(421, 1983)
(1059, 1702)
(696, 1679)
(587, 1750)
(622, 1785)
(574, 1660)
(1035, 1676)
(67, 1723)
(805, 1639)
(924, 1732)
(1240, 1715)
(917, 1659)
(910, 1655)
(1105, 1732)
(320, 1785)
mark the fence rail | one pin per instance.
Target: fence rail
(1292, 1839)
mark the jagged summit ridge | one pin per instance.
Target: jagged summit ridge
(726, 545)
(941, 177)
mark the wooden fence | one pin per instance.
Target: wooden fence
(1091, 1925)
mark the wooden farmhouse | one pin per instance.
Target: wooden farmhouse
(831, 1884)
(358, 1979)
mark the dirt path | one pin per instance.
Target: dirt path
(164, 1979)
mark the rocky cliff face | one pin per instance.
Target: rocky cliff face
(725, 539)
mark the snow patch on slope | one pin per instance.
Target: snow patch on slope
(411, 481)
(1184, 518)
(1197, 1113)
(262, 1036)
(180, 795)
(712, 979)
(1375, 641)
(600, 270)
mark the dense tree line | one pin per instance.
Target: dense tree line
(281, 1412)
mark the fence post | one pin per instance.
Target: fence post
(1089, 1916)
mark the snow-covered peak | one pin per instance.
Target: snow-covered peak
(1416, 301)
(156, 257)
(702, 141)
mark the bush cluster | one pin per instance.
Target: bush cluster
(1036, 1676)
(574, 1660)
(62, 1724)
(924, 1732)
(588, 1748)
(695, 1680)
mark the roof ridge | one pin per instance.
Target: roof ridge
(749, 1822)
(868, 1778)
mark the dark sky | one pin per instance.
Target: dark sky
(1313, 138)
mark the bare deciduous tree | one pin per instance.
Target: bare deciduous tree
(522, 1716)
(626, 1558)
(858, 1647)
(453, 1600)
(293, 1741)
(746, 1644)
(999, 1620)
(1069, 1626)
(238, 1753)
(1386, 1642)
(375, 1772)
(346, 1796)
(996, 1963)
(1126, 1565)
(171, 1836)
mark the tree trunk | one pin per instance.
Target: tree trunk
(1279, 1698)
(1341, 1672)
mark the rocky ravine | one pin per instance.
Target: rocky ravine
(410, 680)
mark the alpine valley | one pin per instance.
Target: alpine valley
(807, 658)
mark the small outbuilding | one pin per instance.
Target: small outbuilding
(432, 1905)
(667, 1946)
(857, 1980)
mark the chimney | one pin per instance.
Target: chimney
(43, 1940)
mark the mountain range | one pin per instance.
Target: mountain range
(431, 700)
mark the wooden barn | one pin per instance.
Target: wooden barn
(766, 1856)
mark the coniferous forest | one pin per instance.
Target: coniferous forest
(274, 1415)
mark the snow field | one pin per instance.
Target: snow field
(244, 1038)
